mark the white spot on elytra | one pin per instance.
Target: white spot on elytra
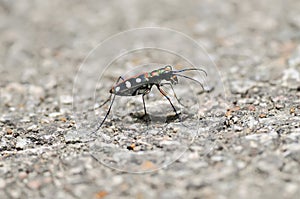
(138, 80)
(117, 89)
(128, 84)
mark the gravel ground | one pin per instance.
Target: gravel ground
(247, 149)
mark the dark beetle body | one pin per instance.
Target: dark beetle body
(142, 84)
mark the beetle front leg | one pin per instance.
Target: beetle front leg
(166, 96)
(168, 83)
(110, 106)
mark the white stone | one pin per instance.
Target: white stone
(21, 143)
(66, 99)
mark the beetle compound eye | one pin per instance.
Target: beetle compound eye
(154, 73)
(168, 68)
(174, 78)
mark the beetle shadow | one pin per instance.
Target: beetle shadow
(162, 119)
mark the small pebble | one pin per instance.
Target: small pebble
(33, 128)
(21, 143)
(9, 131)
(55, 114)
(72, 136)
(262, 115)
(34, 184)
(5, 118)
(66, 99)
(241, 87)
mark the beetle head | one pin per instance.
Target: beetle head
(174, 79)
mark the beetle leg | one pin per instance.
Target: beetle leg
(104, 102)
(110, 94)
(112, 101)
(144, 104)
(168, 83)
(143, 95)
(107, 113)
(166, 96)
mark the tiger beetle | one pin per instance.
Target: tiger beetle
(141, 85)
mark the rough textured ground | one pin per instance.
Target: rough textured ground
(254, 149)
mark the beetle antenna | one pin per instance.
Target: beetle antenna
(113, 99)
(105, 102)
(189, 69)
(191, 79)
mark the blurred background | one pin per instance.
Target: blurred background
(250, 33)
